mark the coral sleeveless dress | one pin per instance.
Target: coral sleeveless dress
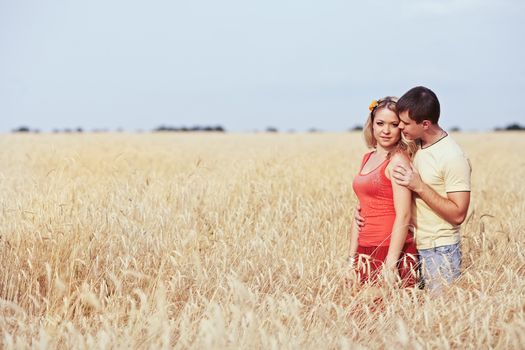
(374, 191)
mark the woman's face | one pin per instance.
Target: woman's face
(385, 127)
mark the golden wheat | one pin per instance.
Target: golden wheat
(235, 241)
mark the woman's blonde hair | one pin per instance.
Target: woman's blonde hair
(404, 145)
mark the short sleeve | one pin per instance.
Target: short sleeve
(457, 174)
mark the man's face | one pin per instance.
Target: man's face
(411, 130)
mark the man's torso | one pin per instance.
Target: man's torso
(445, 168)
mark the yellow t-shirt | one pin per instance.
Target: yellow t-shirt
(445, 168)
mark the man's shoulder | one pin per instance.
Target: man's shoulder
(448, 154)
(452, 150)
(453, 160)
(447, 149)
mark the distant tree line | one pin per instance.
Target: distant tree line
(164, 128)
(511, 127)
(218, 128)
(25, 129)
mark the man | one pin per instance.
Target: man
(440, 181)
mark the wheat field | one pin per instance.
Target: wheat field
(229, 241)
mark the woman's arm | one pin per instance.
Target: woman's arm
(402, 206)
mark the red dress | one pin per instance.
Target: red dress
(374, 191)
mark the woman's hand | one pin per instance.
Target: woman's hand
(390, 263)
(351, 260)
(390, 276)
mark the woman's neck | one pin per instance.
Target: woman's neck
(381, 151)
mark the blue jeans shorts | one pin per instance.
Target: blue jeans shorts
(440, 266)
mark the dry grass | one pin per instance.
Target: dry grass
(234, 241)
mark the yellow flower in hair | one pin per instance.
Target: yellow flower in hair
(373, 105)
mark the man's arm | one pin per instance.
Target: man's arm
(453, 208)
(358, 219)
(353, 238)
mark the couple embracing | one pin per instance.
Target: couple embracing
(413, 191)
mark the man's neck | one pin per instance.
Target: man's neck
(432, 135)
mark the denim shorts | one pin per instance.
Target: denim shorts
(440, 266)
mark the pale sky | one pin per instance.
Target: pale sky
(246, 65)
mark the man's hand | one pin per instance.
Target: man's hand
(359, 220)
(408, 177)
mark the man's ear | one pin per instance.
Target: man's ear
(426, 124)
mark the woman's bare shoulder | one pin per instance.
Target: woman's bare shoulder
(399, 158)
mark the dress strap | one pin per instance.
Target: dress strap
(364, 160)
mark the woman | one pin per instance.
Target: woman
(384, 244)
